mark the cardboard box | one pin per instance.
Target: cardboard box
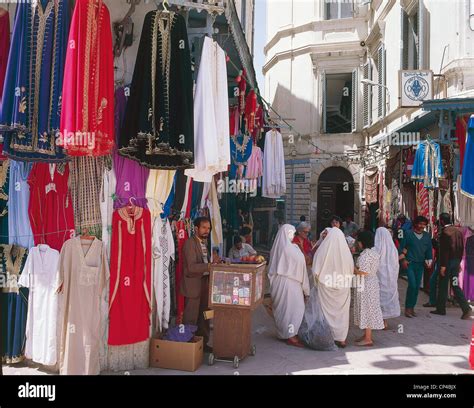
(176, 355)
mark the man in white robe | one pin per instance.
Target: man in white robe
(333, 269)
(289, 285)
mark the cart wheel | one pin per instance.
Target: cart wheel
(211, 359)
(253, 350)
(236, 362)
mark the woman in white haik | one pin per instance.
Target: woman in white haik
(289, 285)
(333, 269)
(387, 274)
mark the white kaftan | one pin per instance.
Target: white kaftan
(211, 115)
(274, 178)
(107, 194)
(41, 275)
(163, 251)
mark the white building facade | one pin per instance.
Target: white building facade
(317, 54)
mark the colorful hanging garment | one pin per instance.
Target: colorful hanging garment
(83, 271)
(211, 119)
(50, 207)
(130, 277)
(240, 151)
(107, 195)
(467, 182)
(41, 276)
(250, 111)
(158, 129)
(131, 176)
(428, 166)
(14, 304)
(5, 206)
(422, 201)
(4, 46)
(87, 117)
(158, 189)
(163, 253)
(85, 184)
(30, 113)
(182, 237)
(19, 228)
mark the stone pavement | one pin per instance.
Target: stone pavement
(427, 344)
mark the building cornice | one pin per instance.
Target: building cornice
(324, 50)
(321, 25)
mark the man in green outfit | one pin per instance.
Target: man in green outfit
(415, 250)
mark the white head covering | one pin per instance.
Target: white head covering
(321, 238)
(388, 269)
(333, 265)
(286, 259)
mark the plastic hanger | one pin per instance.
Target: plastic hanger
(131, 206)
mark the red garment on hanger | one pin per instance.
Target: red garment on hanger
(130, 277)
(87, 113)
(259, 123)
(182, 238)
(234, 120)
(242, 92)
(250, 110)
(50, 207)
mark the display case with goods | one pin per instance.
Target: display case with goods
(236, 290)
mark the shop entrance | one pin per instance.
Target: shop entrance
(335, 195)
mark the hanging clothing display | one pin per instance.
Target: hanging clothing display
(4, 46)
(428, 166)
(30, 113)
(234, 120)
(50, 207)
(250, 111)
(83, 269)
(85, 184)
(371, 184)
(107, 194)
(274, 178)
(5, 184)
(14, 304)
(87, 117)
(158, 128)
(467, 182)
(130, 277)
(240, 151)
(163, 252)
(19, 228)
(41, 276)
(158, 189)
(422, 200)
(255, 164)
(131, 178)
(211, 123)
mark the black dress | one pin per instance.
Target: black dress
(158, 130)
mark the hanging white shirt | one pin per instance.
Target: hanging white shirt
(274, 177)
(41, 276)
(211, 115)
(163, 252)
(109, 183)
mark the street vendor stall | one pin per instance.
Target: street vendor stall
(236, 290)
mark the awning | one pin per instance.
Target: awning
(460, 105)
(419, 122)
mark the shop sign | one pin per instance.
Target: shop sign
(415, 87)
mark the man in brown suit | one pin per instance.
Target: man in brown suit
(195, 282)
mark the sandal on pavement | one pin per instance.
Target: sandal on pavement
(294, 341)
(364, 344)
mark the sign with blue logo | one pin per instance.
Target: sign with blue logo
(415, 87)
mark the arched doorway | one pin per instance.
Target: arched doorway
(335, 195)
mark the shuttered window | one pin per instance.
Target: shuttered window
(323, 101)
(381, 62)
(367, 95)
(354, 95)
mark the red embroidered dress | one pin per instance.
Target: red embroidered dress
(130, 277)
(87, 115)
(50, 207)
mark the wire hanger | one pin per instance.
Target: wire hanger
(131, 206)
